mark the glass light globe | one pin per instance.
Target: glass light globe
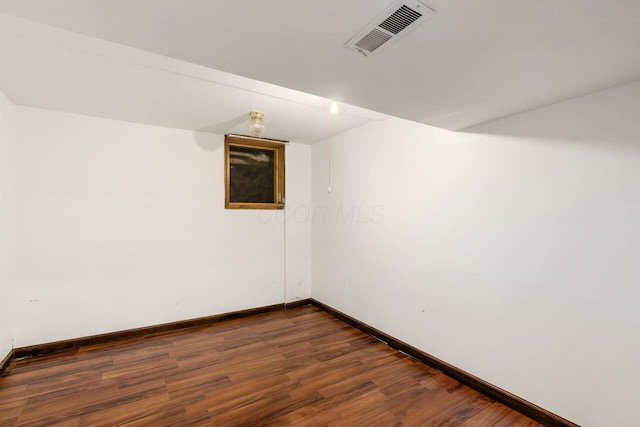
(256, 126)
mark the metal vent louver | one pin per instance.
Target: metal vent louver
(395, 22)
(400, 19)
(373, 40)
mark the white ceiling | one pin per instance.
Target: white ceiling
(48, 68)
(474, 61)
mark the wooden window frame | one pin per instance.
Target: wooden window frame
(278, 171)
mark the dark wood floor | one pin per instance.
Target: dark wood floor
(299, 367)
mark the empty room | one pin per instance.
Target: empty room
(328, 213)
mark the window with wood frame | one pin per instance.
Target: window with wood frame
(254, 173)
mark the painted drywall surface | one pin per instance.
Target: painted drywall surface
(122, 225)
(7, 223)
(298, 223)
(143, 87)
(510, 251)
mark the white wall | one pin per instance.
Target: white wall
(122, 225)
(510, 250)
(298, 221)
(7, 223)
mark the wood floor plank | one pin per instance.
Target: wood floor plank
(295, 367)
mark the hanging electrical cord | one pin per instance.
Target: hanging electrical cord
(284, 245)
(333, 109)
(329, 152)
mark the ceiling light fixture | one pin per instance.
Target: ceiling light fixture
(334, 108)
(256, 125)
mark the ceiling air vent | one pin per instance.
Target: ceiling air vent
(400, 18)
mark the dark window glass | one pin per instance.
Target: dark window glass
(252, 175)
